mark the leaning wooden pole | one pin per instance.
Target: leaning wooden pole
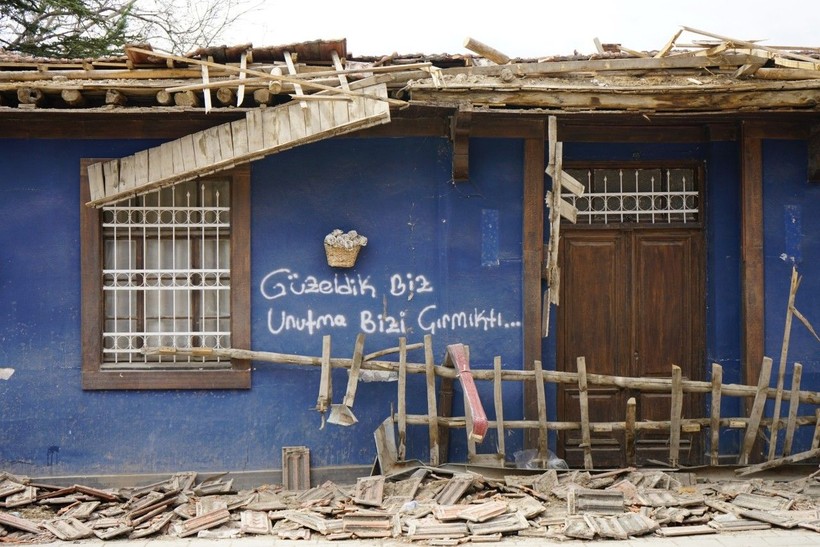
(781, 371)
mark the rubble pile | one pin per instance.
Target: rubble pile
(426, 504)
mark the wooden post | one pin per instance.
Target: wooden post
(586, 439)
(717, 380)
(225, 96)
(115, 97)
(402, 396)
(31, 95)
(326, 378)
(73, 97)
(794, 402)
(186, 98)
(629, 431)
(781, 370)
(432, 412)
(355, 370)
(815, 441)
(677, 407)
(757, 410)
(164, 98)
(498, 401)
(538, 377)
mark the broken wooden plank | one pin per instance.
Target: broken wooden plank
(781, 370)
(771, 464)
(325, 379)
(680, 531)
(386, 452)
(541, 401)
(458, 358)
(757, 411)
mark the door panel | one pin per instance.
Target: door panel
(630, 304)
(594, 326)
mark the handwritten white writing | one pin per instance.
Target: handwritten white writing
(283, 281)
(277, 323)
(409, 284)
(485, 320)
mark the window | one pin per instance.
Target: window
(663, 194)
(168, 268)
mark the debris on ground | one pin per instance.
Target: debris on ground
(426, 504)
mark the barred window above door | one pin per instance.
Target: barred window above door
(653, 195)
(167, 269)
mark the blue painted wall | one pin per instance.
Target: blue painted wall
(438, 253)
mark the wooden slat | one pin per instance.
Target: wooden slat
(677, 407)
(542, 409)
(629, 431)
(793, 405)
(402, 398)
(188, 152)
(781, 369)
(128, 176)
(96, 180)
(154, 164)
(141, 166)
(757, 410)
(498, 400)
(281, 128)
(586, 439)
(717, 380)
(815, 440)
(111, 171)
(355, 370)
(239, 137)
(432, 411)
(256, 139)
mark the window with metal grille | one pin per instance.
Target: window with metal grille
(167, 274)
(656, 195)
(169, 268)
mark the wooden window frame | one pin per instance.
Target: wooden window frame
(94, 376)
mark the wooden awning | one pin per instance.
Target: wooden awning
(264, 131)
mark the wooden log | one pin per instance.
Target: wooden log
(225, 96)
(757, 411)
(541, 400)
(677, 407)
(73, 97)
(793, 404)
(771, 464)
(586, 439)
(31, 95)
(498, 400)
(486, 51)
(717, 379)
(781, 370)
(115, 98)
(186, 99)
(629, 431)
(432, 411)
(164, 98)
(264, 96)
(402, 398)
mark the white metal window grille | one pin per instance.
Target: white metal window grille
(166, 275)
(655, 196)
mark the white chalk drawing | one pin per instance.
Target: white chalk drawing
(368, 318)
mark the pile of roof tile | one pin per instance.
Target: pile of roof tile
(432, 505)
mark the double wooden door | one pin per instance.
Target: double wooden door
(632, 305)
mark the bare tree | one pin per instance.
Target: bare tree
(94, 28)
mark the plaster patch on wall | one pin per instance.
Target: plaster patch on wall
(792, 234)
(5, 373)
(489, 237)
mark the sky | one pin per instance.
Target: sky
(522, 28)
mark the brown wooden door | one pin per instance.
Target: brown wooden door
(631, 305)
